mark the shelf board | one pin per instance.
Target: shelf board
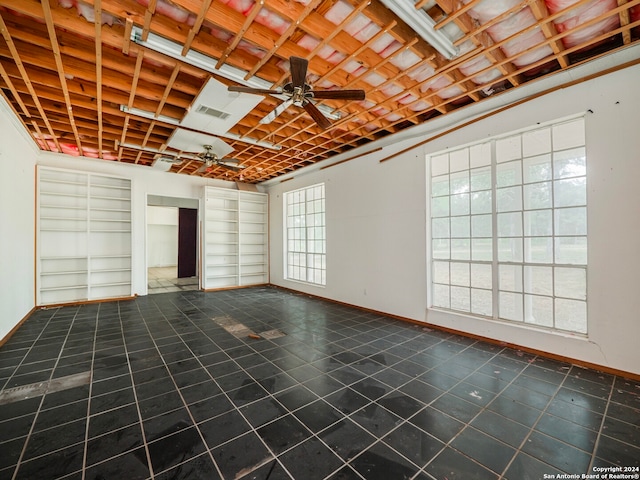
(66, 272)
(67, 287)
(115, 187)
(62, 182)
(109, 270)
(109, 220)
(101, 209)
(65, 207)
(60, 194)
(102, 197)
(64, 219)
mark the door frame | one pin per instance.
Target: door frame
(159, 200)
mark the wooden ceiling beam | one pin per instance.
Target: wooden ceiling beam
(14, 92)
(197, 24)
(257, 6)
(112, 37)
(325, 40)
(97, 9)
(286, 35)
(25, 77)
(540, 11)
(625, 19)
(85, 93)
(82, 72)
(132, 96)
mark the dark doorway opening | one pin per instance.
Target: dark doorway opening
(187, 242)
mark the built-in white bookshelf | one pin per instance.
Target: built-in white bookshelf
(84, 236)
(235, 238)
(253, 258)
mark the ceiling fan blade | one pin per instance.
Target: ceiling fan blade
(276, 111)
(231, 163)
(259, 91)
(298, 68)
(338, 94)
(233, 168)
(317, 115)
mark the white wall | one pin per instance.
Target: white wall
(375, 234)
(17, 231)
(162, 235)
(376, 240)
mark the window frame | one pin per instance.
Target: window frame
(305, 245)
(443, 232)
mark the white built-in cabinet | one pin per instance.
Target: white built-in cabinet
(84, 236)
(235, 238)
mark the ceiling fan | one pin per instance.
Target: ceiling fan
(212, 160)
(301, 94)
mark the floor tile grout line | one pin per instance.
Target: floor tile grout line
(522, 372)
(44, 395)
(135, 396)
(93, 357)
(189, 333)
(186, 405)
(289, 412)
(532, 428)
(483, 408)
(602, 422)
(379, 439)
(269, 394)
(29, 350)
(407, 420)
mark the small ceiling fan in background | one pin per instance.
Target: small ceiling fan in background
(212, 160)
(208, 157)
(301, 94)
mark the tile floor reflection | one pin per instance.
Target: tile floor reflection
(165, 280)
(344, 394)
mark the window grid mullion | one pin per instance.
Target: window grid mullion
(495, 274)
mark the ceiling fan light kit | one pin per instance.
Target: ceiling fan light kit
(210, 160)
(300, 94)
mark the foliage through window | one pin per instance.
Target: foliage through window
(306, 235)
(509, 228)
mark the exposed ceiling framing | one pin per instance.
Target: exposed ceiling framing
(75, 77)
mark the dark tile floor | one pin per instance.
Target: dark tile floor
(344, 394)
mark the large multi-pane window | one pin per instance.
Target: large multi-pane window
(509, 227)
(306, 235)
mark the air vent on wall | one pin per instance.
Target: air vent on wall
(213, 112)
